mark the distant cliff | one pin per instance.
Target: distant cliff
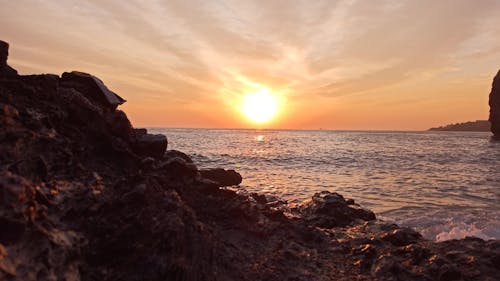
(472, 126)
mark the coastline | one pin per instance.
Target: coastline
(87, 197)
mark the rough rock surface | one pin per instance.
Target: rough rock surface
(222, 177)
(495, 106)
(92, 87)
(77, 202)
(327, 209)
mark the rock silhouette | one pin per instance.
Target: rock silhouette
(494, 103)
(93, 87)
(5, 69)
(80, 201)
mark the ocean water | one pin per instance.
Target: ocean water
(446, 185)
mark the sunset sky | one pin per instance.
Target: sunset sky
(378, 65)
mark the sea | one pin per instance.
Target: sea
(446, 185)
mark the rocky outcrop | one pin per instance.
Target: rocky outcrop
(5, 70)
(494, 103)
(327, 209)
(78, 202)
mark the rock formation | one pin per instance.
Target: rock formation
(79, 201)
(328, 209)
(5, 69)
(222, 177)
(494, 103)
(93, 87)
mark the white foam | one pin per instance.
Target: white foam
(461, 231)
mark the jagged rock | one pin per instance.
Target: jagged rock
(494, 103)
(93, 87)
(222, 177)
(150, 145)
(5, 70)
(328, 210)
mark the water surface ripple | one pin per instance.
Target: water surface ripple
(444, 184)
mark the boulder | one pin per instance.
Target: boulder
(119, 125)
(494, 103)
(5, 70)
(93, 88)
(177, 154)
(221, 176)
(327, 209)
(150, 145)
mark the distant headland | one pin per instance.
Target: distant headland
(471, 126)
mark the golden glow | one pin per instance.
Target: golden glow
(260, 106)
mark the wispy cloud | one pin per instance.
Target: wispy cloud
(187, 51)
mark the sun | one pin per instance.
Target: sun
(260, 106)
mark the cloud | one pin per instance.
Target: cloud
(182, 50)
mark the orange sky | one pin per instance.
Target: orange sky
(377, 65)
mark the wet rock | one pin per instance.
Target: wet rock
(222, 177)
(93, 88)
(5, 70)
(494, 102)
(149, 145)
(328, 210)
(402, 237)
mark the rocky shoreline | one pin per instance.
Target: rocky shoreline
(85, 196)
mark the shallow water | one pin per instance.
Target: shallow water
(444, 184)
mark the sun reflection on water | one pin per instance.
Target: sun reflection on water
(259, 138)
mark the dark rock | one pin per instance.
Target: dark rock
(149, 145)
(259, 198)
(177, 167)
(449, 273)
(494, 103)
(221, 176)
(12, 231)
(43, 84)
(328, 210)
(175, 153)
(120, 126)
(93, 88)
(5, 70)
(402, 237)
(4, 52)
